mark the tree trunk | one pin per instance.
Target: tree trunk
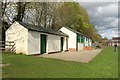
(21, 9)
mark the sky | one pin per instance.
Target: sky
(104, 15)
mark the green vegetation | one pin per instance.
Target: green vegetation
(73, 15)
(105, 65)
(51, 15)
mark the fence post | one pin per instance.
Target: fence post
(7, 45)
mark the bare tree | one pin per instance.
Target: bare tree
(43, 14)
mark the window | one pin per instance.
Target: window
(82, 39)
(78, 38)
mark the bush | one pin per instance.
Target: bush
(8, 52)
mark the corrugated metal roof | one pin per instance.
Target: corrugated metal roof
(42, 29)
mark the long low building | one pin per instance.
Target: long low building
(30, 39)
(77, 41)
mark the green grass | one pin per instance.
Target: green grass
(105, 65)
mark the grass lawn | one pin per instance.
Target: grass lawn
(105, 65)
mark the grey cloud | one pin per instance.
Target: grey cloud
(103, 15)
(94, 4)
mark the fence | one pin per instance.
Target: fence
(7, 46)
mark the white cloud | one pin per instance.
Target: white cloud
(109, 33)
(114, 23)
(100, 9)
(104, 16)
(115, 33)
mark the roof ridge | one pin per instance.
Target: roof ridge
(74, 30)
(77, 31)
(41, 29)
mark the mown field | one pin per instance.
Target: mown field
(104, 65)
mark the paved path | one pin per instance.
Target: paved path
(81, 56)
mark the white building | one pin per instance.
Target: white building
(116, 40)
(30, 39)
(76, 41)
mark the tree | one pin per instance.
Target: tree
(97, 37)
(71, 14)
(21, 6)
(4, 22)
(51, 15)
(9, 11)
(56, 15)
(105, 41)
(42, 14)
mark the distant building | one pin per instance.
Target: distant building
(109, 42)
(116, 40)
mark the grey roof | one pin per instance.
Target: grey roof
(42, 29)
(76, 32)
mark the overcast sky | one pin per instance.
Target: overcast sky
(104, 15)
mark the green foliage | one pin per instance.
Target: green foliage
(105, 44)
(73, 15)
(105, 38)
(97, 37)
(55, 15)
(76, 17)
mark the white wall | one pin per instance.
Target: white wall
(33, 42)
(90, 42)
(65, 45)
(19, 35)
(86, 41)
(80, 46)
(28, 42)
(72, 37)
(53, 43)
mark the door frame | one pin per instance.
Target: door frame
(61, 43)
(41, 45)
